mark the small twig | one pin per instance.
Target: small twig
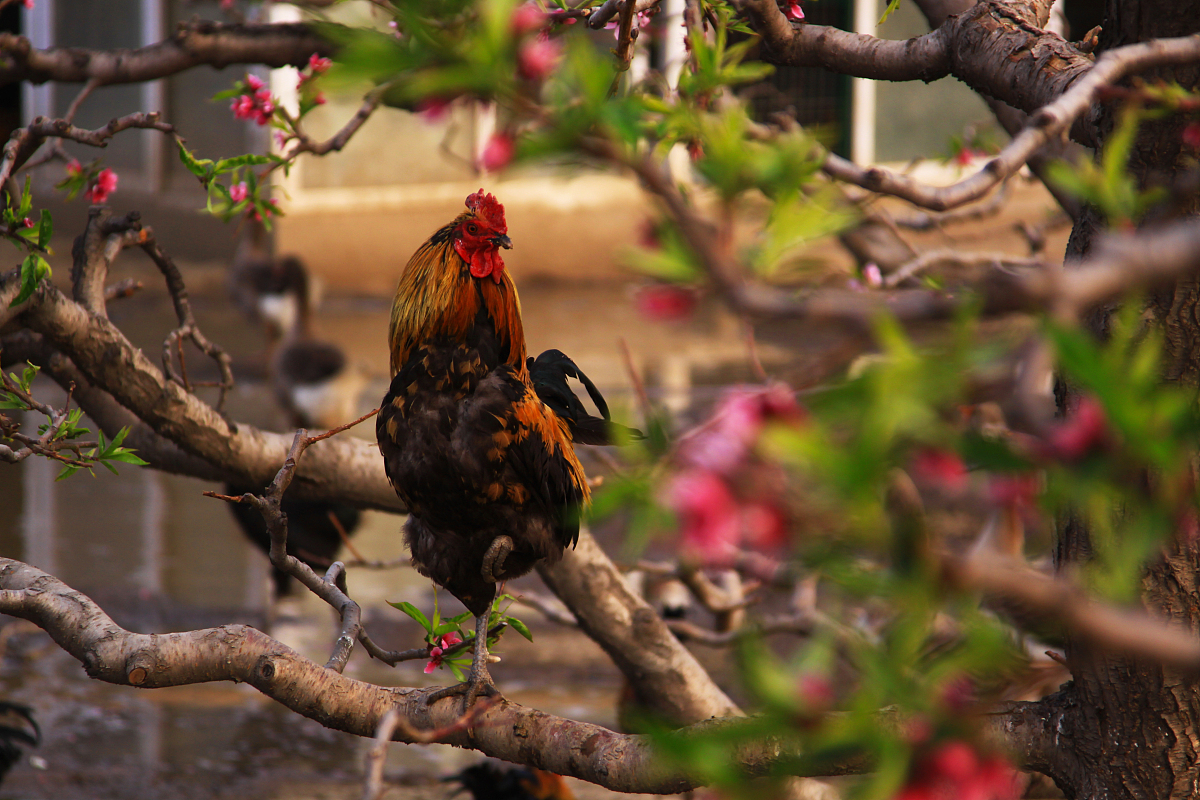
(188, 328)
(639, 388)
(924, 261)
(345, 537)
(926, 220)
(752, 353)
(84, 93)
(549, 607)
(373, 786)
(330, 588)
(24, 142)
(123, 289)
(305, 144)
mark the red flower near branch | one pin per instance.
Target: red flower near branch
(256, 103)
(437, 651)
(101, 187)
(239, 192)
(793, 11)
(955, 771)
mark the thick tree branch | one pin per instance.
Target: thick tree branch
(508, 731)
(202, 42)
(348, 470)
(996, 49)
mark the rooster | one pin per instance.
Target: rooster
(485, 467)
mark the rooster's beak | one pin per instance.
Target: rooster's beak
(502, 241)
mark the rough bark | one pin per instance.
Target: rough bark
(1131, 728)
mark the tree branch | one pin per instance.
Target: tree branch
(201, 42)
(505, 730)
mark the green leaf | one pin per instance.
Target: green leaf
(33, 269)
(887, 12)
(520, 627)
(414, 612)
(66, 472)
(45, 229)
(248, 160)
(201, 168)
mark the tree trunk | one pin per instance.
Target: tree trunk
(1130, 729)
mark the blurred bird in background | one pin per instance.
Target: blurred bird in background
(490, 781)
(313, 382)
(485, 467)
(17, 728)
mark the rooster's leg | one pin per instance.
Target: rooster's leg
(480, 680)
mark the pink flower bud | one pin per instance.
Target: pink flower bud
(1191, 135)
(527, 18)
(537, 59)
(794, 11)
(497, 153)
(254, 83)
(74, 168)
(665, 303)
(317, 64)
(239, 192)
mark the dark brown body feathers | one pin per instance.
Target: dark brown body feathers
(467, 443)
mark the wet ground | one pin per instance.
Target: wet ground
(158, 557)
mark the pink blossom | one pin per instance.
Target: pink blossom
(317, 65)
(955, 770)
(497, 153)
(664, 302)
(104, 185)
(708, 515)
(527, 18)
(1082, 431)
(239, 192)
(726, 442)
(764, 526)
(436, 652)
(872, 275)
(433, 109)
(940, 468)
(256, 104)
(814, 690)
(794, 11)
(1191, 135)
(537, 59)
(28, 4)
(74, 168)
(27, 222)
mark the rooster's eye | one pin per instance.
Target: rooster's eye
(473, 229)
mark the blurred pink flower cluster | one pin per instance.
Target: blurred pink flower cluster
(435, 652)
(537, 53)
(256, 104)
(955, 771)
(725, 495)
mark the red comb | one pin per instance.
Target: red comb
(489, 211)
